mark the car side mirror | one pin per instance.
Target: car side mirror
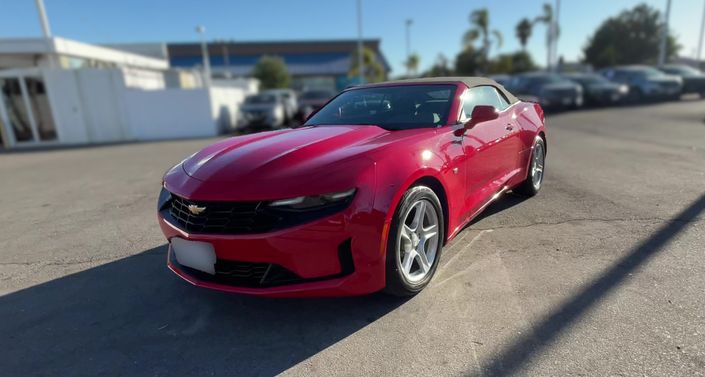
(480, 114)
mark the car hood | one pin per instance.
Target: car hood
(281, 155)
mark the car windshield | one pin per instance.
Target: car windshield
(317, 94)
(681, 70)
(649, 73)
(390, 107)
(590, 79)
(261, 99)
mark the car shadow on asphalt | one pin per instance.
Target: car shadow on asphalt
(134, 317)
(503, 203)
(533, 342)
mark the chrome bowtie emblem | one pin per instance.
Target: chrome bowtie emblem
(196, 210)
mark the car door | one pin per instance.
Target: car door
(511, 142)
(490, 147)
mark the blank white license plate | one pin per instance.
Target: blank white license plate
(195, 254)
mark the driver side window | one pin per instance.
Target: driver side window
(481, 95)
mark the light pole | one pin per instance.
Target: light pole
(201, 30)
(44, 21)
(555, 35)
(409, 22)
(664, 35)
(360, 59)
(700, 41)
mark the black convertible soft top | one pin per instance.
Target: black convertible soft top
(469, 81)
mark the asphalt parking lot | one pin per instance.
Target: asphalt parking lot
(602, 273)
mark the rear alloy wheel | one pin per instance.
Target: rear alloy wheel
(415, 242)
(534, 179)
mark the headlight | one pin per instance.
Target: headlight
(310, 202)
(164, 199)
(623, 89)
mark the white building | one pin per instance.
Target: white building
(58, 91)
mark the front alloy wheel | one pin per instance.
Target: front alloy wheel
(415, 242)
(534, 179)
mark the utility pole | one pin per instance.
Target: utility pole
(555, 35)
(201, 30)
(664, 35)
(43, 18)
(360, 49)
(46, 30)
(409, 22)
(700, 41)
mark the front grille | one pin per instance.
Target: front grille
(220, 217)
(249, 274)
(239, 217)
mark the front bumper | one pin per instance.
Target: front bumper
(340, 255)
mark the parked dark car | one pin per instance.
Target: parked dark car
(312, 100)
(597, 90)
(645, 83)
(549, 89)
(693, 78)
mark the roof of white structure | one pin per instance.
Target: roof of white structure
(67, 47)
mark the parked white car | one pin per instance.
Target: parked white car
(264, 109)
(289, 99)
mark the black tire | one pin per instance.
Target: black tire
(528, 187)
(397, 283)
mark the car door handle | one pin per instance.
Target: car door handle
(509, 127)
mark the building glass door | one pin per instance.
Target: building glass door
(25, 113)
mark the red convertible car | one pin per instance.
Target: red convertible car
(360, 198)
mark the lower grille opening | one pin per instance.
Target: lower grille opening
(263, 275)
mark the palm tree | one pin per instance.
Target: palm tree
(480, 21)
(373, 69)
(523, 32)
(551, 31)
(412, 64)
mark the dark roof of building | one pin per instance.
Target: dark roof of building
(469, 81)
(271, 47)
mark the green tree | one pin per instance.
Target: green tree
(632, 37)
(516, 62)
(480, 30)
(412, 64)
(468, 62)
(523, 32)
(440, 68)
(522, 62)
(374, 71)
(272, 73)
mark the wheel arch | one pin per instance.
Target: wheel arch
(437, 187)
(542, 135)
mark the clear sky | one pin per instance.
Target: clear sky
(438, 24)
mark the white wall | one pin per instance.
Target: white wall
(169, 113)
(95, 105)
(249, 85)
(143, 79)
(225, 106)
